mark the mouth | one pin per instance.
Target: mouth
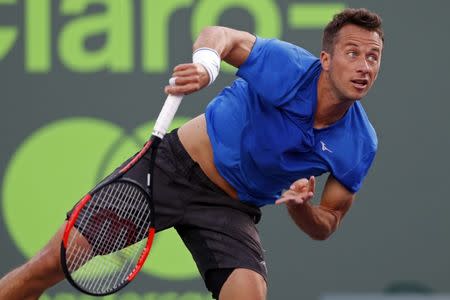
(360, 84)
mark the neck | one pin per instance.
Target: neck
(330, 106)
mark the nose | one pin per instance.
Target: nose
(363, 65)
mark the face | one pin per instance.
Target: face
(354, 63)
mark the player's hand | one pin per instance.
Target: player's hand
(189, 78)
(300, 192)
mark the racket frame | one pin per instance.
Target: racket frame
(162, 124)
(151, 145)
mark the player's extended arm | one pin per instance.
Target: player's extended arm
(318, 221)
(232, 46)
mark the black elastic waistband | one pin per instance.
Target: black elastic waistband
(187, 166)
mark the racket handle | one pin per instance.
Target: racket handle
(166, 115)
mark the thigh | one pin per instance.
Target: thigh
(244, 284)
(221, 237)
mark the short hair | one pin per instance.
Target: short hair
(357, 16)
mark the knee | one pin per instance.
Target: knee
(244, 284)
(47, 260)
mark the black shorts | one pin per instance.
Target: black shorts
(218, 230)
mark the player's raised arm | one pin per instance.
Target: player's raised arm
(233, 46)
(318, 221)
(215, 43)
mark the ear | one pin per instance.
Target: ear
(325, 60)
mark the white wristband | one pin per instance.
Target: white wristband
(208, 58)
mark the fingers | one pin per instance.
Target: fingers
(300, 192)
(182, 67)
(185, 72)
(189, 78)
(182, 90)
(299, 185)
(312, 184)
(295, 197)
(303, 184)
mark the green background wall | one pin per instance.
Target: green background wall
(81, 81)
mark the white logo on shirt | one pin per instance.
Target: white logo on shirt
(324, 147)
(263, 264)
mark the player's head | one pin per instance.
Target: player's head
(360, 17)
(351, 52)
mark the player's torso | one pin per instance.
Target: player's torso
(196, 142)
(261, 149)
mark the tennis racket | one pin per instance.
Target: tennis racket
(110, 231)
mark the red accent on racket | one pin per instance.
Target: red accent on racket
(110, 232)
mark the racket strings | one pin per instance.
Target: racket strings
(103, 269)
(126, 268)
(109, 237)
(111, 218)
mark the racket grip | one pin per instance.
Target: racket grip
(166, 115)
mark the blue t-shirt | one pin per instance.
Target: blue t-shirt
(261, 127)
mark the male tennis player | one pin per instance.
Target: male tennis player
(288, 117)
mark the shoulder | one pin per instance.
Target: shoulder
(279, 45)
(275, 69)
(279, 50)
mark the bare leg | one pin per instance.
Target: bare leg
(30, 280)
(244, 284)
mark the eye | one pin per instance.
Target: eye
(372, 58)
(352, 54)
